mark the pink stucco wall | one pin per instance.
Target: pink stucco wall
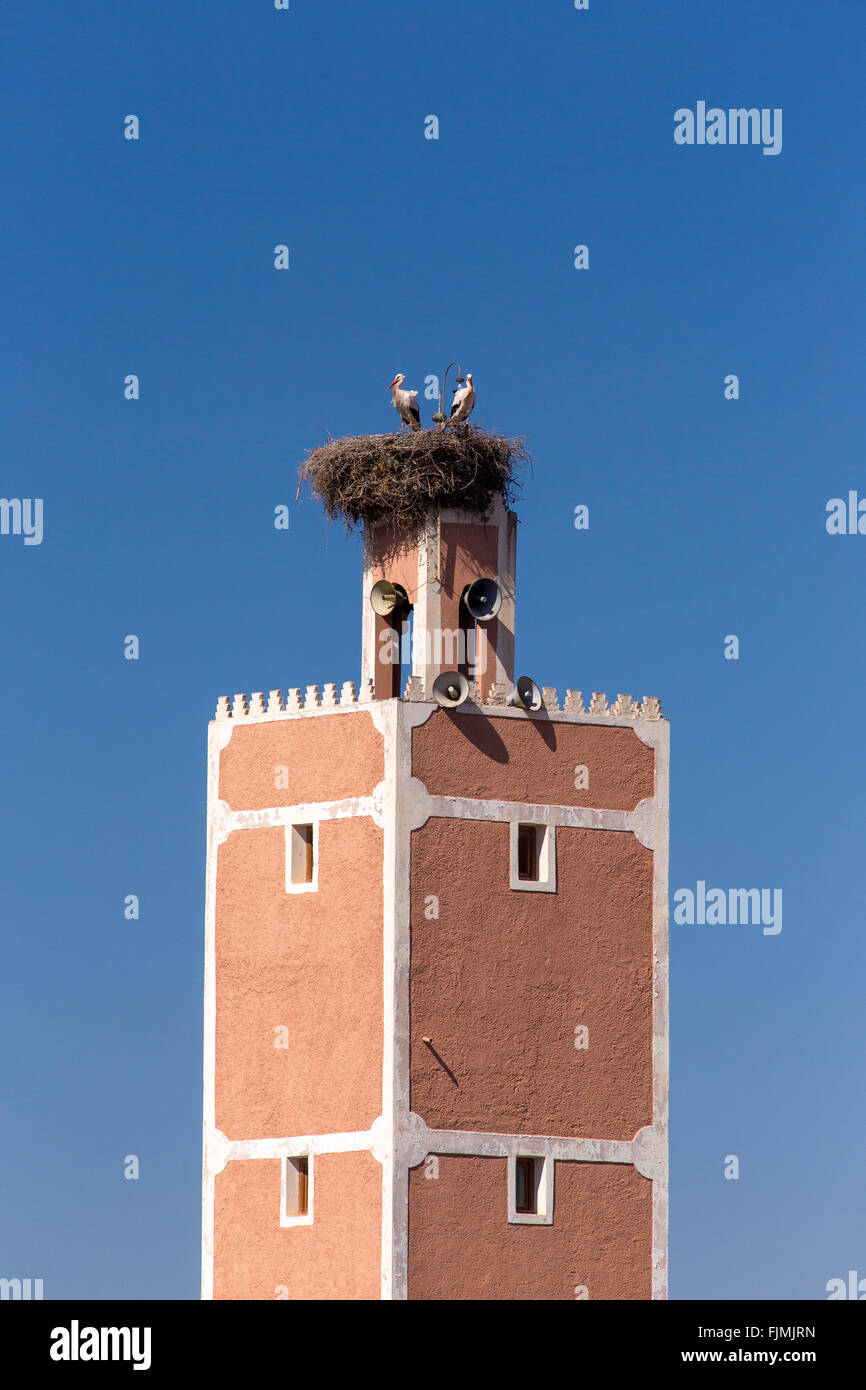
(311, 962)
(461, 1245)
(456, 754)
(328, 757)
(500, 980)
(337, 1256)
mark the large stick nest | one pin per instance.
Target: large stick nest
(400, 478)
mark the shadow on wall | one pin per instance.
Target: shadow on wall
(482, 734)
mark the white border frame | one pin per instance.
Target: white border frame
(312, 887)
(546, 881)
(544, 1215)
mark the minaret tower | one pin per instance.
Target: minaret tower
(436, 1029)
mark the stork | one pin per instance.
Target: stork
(463, 403)
(405, 404)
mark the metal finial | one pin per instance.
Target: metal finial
(440, 417)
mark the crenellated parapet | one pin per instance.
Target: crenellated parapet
(330, 696)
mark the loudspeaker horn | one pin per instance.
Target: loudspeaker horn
(526, 694)
(482, 600)
(385, 597)
(450, 689)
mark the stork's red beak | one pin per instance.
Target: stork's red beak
(390, 384)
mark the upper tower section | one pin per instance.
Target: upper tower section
(440, 550)
(443, 618)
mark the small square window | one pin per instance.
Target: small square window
(530, 1190)
(533, 856)
(301, 855)
(297, 1191)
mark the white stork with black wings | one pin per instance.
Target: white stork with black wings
(463, 403)
(405, 404)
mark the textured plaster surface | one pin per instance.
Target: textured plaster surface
(335, 1257)
(310, 962)
(470, 552)
(483, 755)
(394, 556)
(601, 1237)
(501, 979)
(328, 758)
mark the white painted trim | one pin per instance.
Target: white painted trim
(406, 791)
(658, 832)
(639, 822)
(643, 728)
(388, 714)
(580, 817)
(300, 814)
(306, 712)
(417, 1141)
(347, 1142)
(493, 1145)
(219, 735)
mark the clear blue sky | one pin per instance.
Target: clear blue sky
(707, 518)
